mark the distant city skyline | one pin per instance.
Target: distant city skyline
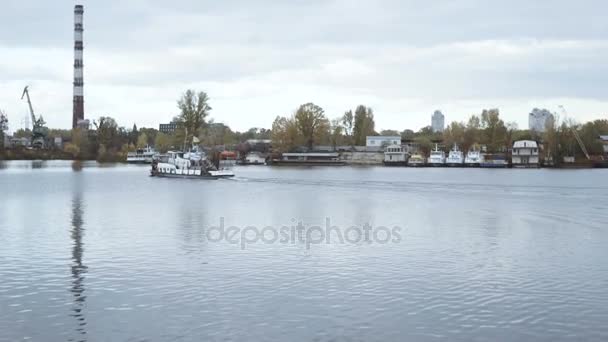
(405, 62)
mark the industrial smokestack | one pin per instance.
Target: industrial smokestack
(78, 108)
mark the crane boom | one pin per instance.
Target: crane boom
(576, 136)
(26, 93)
(580, 143)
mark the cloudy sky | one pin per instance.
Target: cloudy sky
(261, 58)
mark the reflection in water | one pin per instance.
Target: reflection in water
(77, 165)
(38, 164)
(78, 268)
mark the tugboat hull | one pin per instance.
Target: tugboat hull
(174, 175)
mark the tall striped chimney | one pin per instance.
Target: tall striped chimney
(78, 108)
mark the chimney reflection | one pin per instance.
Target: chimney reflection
(78, 269)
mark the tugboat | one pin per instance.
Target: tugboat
(437, 157)
(474, 158)
(455, 157)
(192, 165)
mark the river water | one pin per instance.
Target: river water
(106, 253)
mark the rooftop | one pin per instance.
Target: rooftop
(525, 144)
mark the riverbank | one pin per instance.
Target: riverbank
(55, 154)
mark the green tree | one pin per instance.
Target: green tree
(424, 144)
(337, 133)
(134, 135)
(311, 123)
(194, 109)
(493, 130)
(72, 150)
(407, 134)
(81, 145)
(150, 133)
(218, 134)
(389, 132)
(3, 127)
(364, 124)
(471, 134)
(162, 143)
(107, 132)
(142, 140)
(348, 125)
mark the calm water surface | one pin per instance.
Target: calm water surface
(110, 254)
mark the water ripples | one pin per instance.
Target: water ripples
(478, 261)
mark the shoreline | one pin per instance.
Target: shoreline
(576, 166)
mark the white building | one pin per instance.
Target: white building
(380, 141)
(525, 154)
(538, 120)
(438, 121)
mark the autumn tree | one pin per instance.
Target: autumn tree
(284, 134)
(454, 134)
(311, 122)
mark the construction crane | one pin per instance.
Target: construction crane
(576, 136)
(39, 131)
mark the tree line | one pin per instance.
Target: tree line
(106, 141)
(309, 126)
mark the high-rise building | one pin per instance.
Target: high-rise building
(538, 120)
(438, 121)
(78, 105)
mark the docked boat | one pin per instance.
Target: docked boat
(310, 159)
(253, 158)
(494, 160)
(474, 158)
(416, 160)
(141, 156)
(394, 155)
(193, 165)
(437, 157)
(455, 157)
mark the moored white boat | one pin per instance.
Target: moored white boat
(455, 157)
(437, 157)
(474, 158)
(141, 156)
(416, 160)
